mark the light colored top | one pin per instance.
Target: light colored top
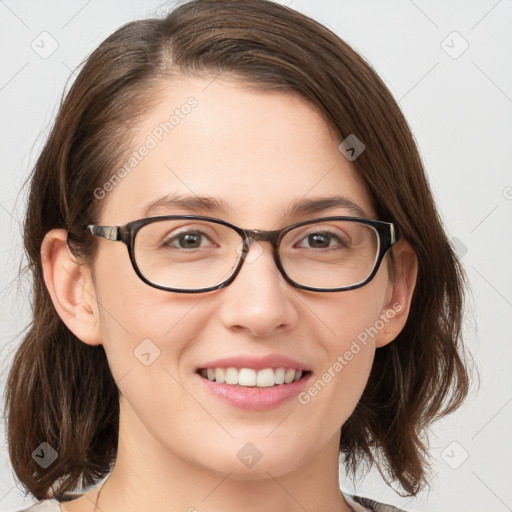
(361, 505)
(44, 506)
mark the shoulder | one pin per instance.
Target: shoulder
(367, 505)
(373, 506)
(44, 506)
(52, 505)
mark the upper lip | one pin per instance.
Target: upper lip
(257, 363)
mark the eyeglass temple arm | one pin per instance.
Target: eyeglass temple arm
(395, 233)
(107, 232)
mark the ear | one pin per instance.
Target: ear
(395, 312)
(71, 288)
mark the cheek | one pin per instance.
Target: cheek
(144, 330)
(353, 317)
(147, 335)
(350, 323)
(333, 394)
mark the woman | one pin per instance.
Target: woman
(239, 273)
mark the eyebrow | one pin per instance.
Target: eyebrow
(315, 205)
(188, 202)
(212, 205)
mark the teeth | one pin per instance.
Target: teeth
(279, 376)
(248, 377)
(220, 375)
(231, 376)
(289, 376)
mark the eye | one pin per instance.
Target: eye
(322, 240)
(187, 240)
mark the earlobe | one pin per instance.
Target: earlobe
(398, 301)
(71, 288)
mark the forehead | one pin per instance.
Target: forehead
(254, 152)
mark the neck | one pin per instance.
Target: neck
(146, 475)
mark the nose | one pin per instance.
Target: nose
(259, 301)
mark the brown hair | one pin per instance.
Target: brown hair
(61, 391)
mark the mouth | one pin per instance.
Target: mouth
(253, 378)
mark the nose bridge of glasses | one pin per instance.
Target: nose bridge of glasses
(258, 235)
(254, 237)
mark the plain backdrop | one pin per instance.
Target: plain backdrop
(448, 65)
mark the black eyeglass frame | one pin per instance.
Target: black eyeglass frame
(388, 233)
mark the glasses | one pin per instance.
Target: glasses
(193, 254)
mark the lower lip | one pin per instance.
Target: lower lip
(256, 399)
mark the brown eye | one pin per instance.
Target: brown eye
(322, 240)
(187, 240)
(319, 240)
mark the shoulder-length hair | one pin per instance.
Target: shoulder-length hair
(61, 391)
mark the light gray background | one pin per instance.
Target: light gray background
(459, 106)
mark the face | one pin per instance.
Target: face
(255, 153)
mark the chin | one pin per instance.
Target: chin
(254, 460)
(260, 471)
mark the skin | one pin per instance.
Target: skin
(258, 152)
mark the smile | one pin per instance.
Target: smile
(249, 377)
